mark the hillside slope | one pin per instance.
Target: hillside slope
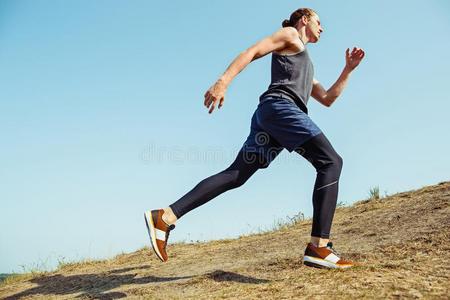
(402, 242)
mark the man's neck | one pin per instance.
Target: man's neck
(302, 36)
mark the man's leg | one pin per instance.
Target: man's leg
(243, 167)
(328, 164)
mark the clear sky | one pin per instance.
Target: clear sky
(102, 116)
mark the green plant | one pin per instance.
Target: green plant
(296, 218)
(61, 262)
(374, 193)
(287, 222)
(340, 204)
(37, 268)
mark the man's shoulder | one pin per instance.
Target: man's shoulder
(289, 32)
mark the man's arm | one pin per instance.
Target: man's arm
(327, 97)
(277, 41)
(281, 39)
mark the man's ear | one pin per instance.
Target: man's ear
(304, 20)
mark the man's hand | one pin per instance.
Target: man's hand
(327, 97)
(215, 94)
(353, 59)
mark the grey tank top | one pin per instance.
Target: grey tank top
(292, 76)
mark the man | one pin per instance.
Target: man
(280, 121)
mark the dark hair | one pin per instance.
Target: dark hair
(297, 15)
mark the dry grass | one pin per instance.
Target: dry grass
(401, 242)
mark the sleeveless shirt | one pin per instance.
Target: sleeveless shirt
(291, 75)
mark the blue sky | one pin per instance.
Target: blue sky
(102, 116)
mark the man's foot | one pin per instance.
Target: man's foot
(324, 257)
(158, 231)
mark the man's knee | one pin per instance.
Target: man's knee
(332, 162)
(240, 180)
(231, 178)
(244, 166)
(236, 178)
(339, 162)
(335, 164)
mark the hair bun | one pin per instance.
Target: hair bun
(286, 23)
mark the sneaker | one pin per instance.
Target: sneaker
(158, 230)
(324, 257)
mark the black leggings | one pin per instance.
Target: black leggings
(318, 151)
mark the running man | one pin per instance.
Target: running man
(280, 121)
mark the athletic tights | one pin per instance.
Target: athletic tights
(317, 150)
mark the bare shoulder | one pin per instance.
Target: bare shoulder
(291, 31)
(292, 41)
(289, 34)
(282, 40)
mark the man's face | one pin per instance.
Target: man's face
(314, 29)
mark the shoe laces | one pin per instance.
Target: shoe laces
(330, 246)
(169, 228)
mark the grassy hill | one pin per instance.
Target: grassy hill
(3, 276)
(402, 242)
